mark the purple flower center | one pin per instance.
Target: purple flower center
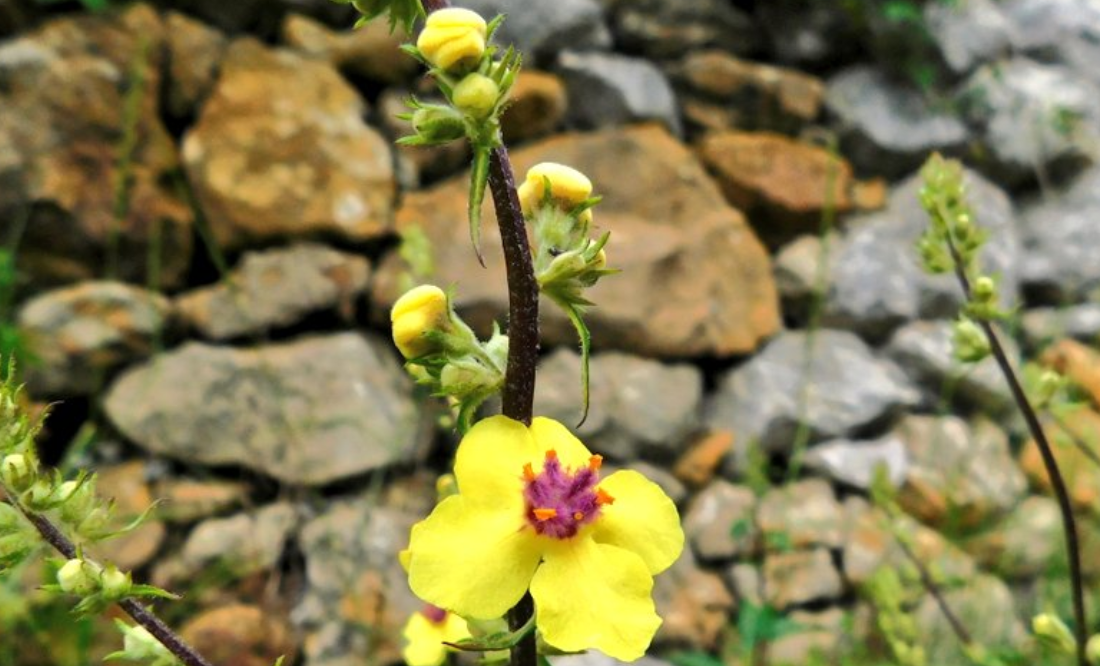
(559, 501)
(435, 614)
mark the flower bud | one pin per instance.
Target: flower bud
(1092, 650)
(476, 95)
(453, 38)
(116, 584)
(140, 644)
(971, 344)
(600, 260)
(984, 289)
(435, 124)
(17, 471)
(420, 311)
(40, 496)
(77, 577)
(568, 187)
(1052, 632)
(10, 520)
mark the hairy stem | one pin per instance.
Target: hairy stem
(153, 624)
(1057, 482)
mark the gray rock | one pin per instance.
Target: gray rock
(801, 515)
(821, 636)
(985, 598)
(800, 577)
(1034, 117)
(969, 32)
(925, 352)
(877, 282)
(798, 271)
(1025, 544)
(834, 385)
(719, 523)
(664, 30)
(1066, 31)
(540, 29)
(276, 288)
(79, 333)
(310, 411)
(855, 463)
(616, 90)
(239, 546)
(1059, 238)
(639, 407)
(747, 583)
(887, 128)
(353, 580)
(959, 475)
(1044, 325)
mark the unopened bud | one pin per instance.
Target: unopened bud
(419, 312)
(568, 187)
(40, 496)
(476, 95)
(77, 577)
(1052, 632)
(17, 471)
(1092, 650)
(116, 584)
(435, 124)
(985, 290)
(971, 343)
(453, 38)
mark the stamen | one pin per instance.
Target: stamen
(603, 497)
(551, 454)
(578, 516)
(545, 514)
(528, 472)
(595, 462)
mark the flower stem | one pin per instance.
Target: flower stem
(153, 624)
(1057, 482)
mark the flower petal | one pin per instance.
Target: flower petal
(489, 463)
(642, 519)
(424, 642)
(471, 559)
(592, 595)
(549, 434)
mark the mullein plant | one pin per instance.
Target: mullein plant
(952, 244)
(532, 550)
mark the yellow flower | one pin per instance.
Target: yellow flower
(452, 37)
(421, 310)
(568, 187)
(533, 512)
(425, 633)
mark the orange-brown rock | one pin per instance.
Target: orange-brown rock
(537, 108)
(241, 635)
(1078, 362)
(1077, 449)
(126, 484)
(370, 52)
(187, 500)
(195, 51)
(695, 279)
(696, 467)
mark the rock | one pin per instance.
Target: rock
(670, 228)
(925, 351)
(800, 577)
(235, 547)
(1076, 442)
(539, 103)
(746, 582)
(1078, 363)
(876, 281)
(719, 92)
(693, 603)
(800, 273)
(855, 463)
(639, 408)
(369, 53)
(699, 463)
(353, 580)
(1033, 116)
(418, 165)
(195, 51)
(305, 412)
(126, 485)
(187, 500)
(827, 380)
(969, 32)
(79, 334)
(662, 30)
(1044, 325)
(1025, 544)
(985, 597)
(868, 544)
(1061, 30)
(1058, 236)
(719, 523)
(616, 90)
(886, 128)
(81, 116)
(959, 475)
(281, 150)
(240, 635)
(540, 29)
(801, 515)
(820, 637)
(781, 184)
(275, 289)
(805, 34)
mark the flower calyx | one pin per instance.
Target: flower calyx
(401, 12)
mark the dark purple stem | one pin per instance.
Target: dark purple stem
(153, 624)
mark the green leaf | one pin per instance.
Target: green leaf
(575, 315)
(479, 177)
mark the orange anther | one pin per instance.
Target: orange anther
(528, 472)
(595, 462)
(545, 514)
(578, 516)
(603, 497)
(551, 454)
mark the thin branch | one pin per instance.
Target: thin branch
(1057, 482)
(153, 624)
(933, 589)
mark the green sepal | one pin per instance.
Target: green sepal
(152, 592)
(576, 316)
(103, 535)
(479, 178)
(501, 640)
(491, 27)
